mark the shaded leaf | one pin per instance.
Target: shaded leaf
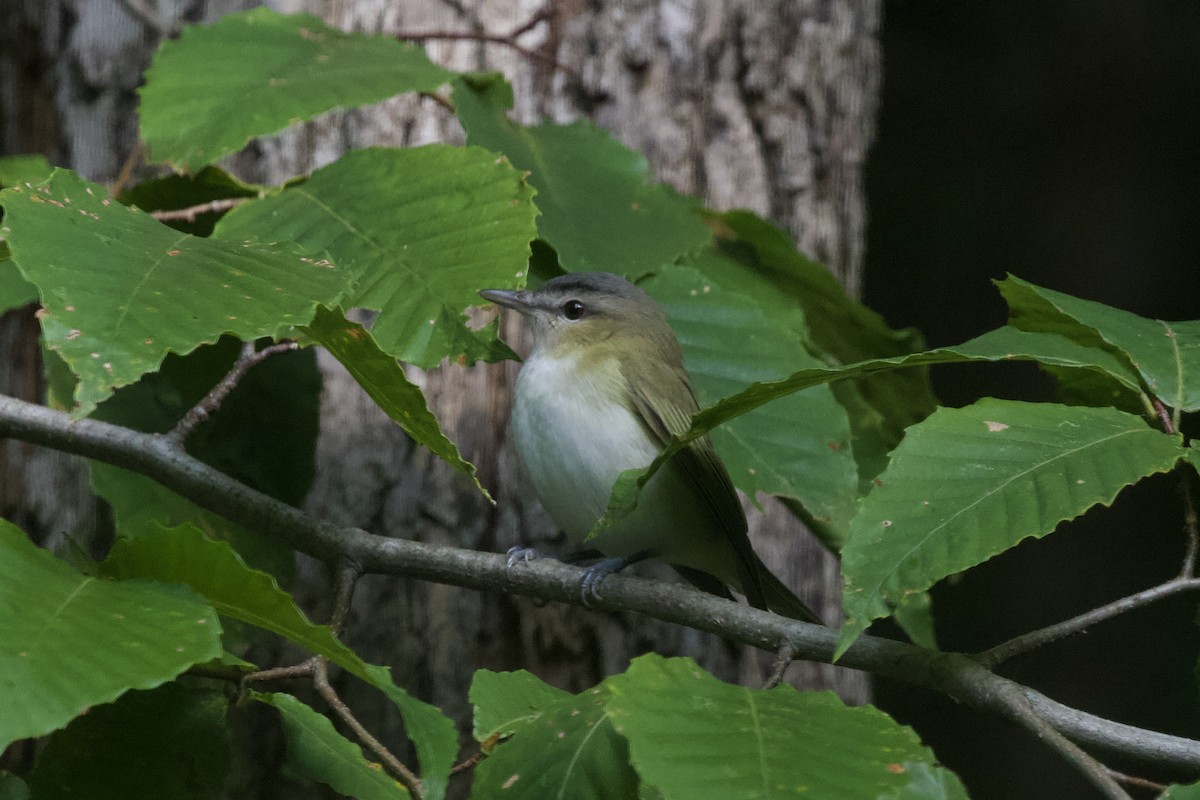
(147, 289)
(1165, 354)
(15, 291)
(12, 787)
(506, 701)
(172, 192)
(599, 211)
(166, 744)
(422, 229)
(211, 90)
(320, 753)
(571, 751)
(838, 326)
(213, 569)
(694, 736)
(969, 483)
(797, 447)
(72, 641)
(1003, 344)
(16, 170)
(384, 381)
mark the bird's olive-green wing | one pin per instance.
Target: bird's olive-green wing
(666, 412)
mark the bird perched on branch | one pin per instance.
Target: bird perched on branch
(601, 392)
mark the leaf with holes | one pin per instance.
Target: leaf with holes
(1165, 354)
(120, 290)
(969, 483)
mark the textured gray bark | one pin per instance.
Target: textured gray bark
(762, 105)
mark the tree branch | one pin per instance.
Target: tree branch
(190, 213)
(1052, 633)
(956, 675)
(211, 402)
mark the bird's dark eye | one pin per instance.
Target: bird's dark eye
(573, 309)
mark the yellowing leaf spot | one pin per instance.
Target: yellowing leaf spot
(995, 427)
(1080, 481)
(173, 252)
(508, 784)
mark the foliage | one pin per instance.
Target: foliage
(832, 412)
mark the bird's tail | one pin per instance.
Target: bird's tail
(781, 599)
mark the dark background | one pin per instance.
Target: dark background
(1060, 142)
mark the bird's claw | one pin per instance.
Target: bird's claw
(521, 555)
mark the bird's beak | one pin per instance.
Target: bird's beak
(516, 300)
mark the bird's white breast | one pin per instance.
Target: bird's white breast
(575, 434)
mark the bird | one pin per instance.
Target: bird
(603, 390)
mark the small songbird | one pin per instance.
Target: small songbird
(601, 392)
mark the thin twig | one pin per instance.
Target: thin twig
(131, 161)
(785, 656)
(441, 101)
(543, 14)
(1190, 525)
(1163, 415)
(302, 670)
(190, 213)
(320, 676)
(211, 402)
(150, 18)
(507, 40)
(1052, 633)
(1141, 783)
(345, 578)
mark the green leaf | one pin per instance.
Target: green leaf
(423, 229)
(147, 290)
(72, 641)
(694, 736)
(166, 744)
(969, 483)
(838, 326)
(1180, 792)
(384, 381)
(571, 752)
(598, 211)
(15, 170)
(12, 787)
(928, 782)
(15, 291)
(215, 87)
(506, 701)
(797, 447)
(320, 753)
(1004, 344)
(915, 616)
(1165, 354)
(185, 555)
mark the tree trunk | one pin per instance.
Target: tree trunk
(761, 105)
